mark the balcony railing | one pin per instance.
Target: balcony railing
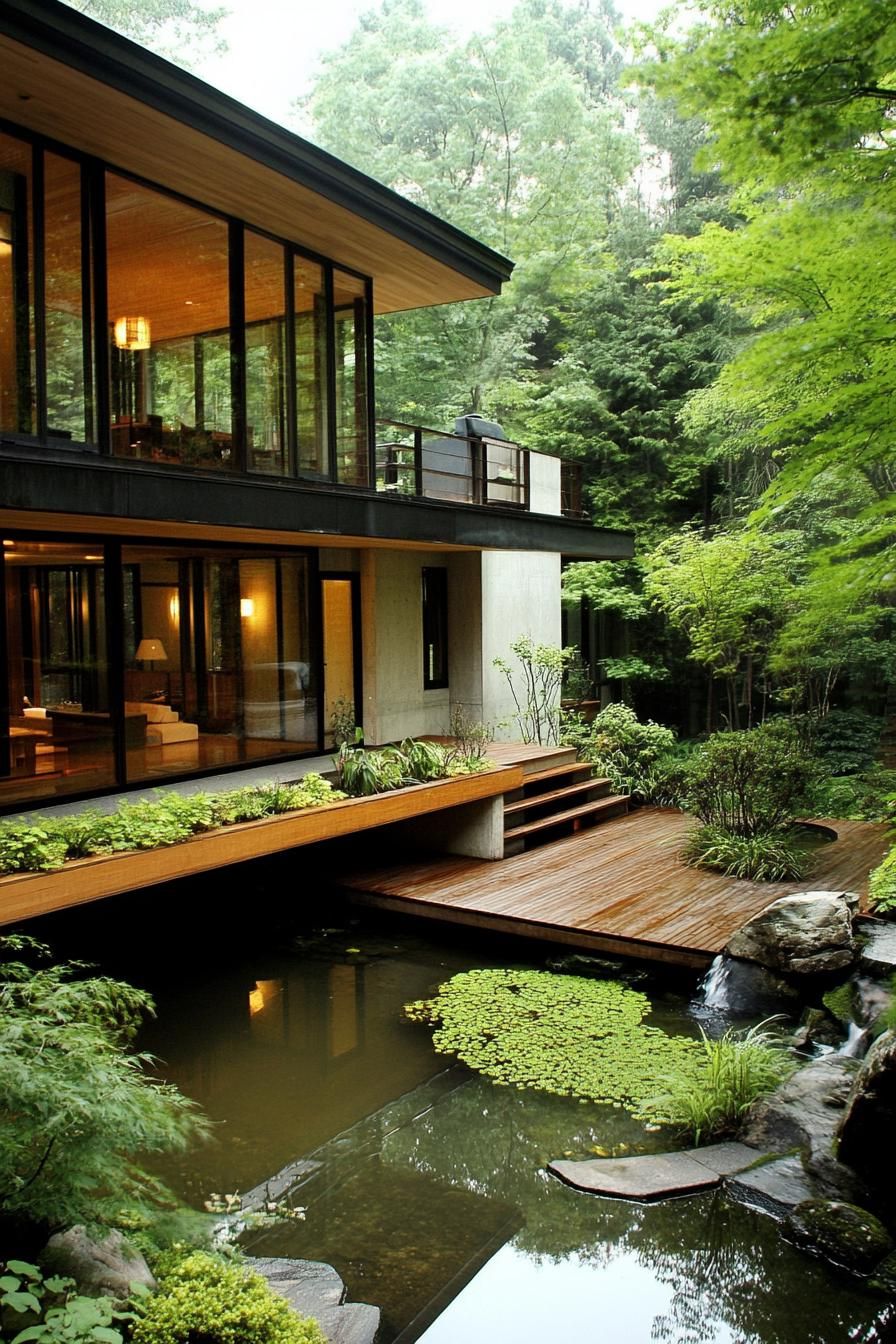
(433, 464)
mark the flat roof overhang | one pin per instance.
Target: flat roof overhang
(78, 83)
(50, 492)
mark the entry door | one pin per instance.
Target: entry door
(340, 602)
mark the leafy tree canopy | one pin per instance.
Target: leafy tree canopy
(177, 29)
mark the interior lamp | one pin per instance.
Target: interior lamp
(247, 607)
(132, 333)
(151, 651)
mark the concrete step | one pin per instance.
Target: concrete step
(554, 796)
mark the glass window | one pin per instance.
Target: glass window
(218, 658)
(66, 393)
(311, 367)
(169, 328)
(350, 319)
(17, 405)
(435, 628)
(59, 735)
(265, 289)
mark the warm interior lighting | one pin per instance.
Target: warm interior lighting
(132, 333)
(247, 607)
(174, 609)
(151, 651)
(93, 557)
(9, 544)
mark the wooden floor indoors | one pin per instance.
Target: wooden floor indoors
(619, 888)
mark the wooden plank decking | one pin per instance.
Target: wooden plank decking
(618, 888)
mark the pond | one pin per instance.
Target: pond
(426, 1185)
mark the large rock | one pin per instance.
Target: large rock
(744, 989)
(316, 1290)
(105, 1268)
(850, 1236)
(809, 933)
(877, 946)
(866, 1134)
(804, 1113)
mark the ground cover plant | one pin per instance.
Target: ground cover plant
(78, 1107)
(47, 843)
(363, 772)
(203, 1298)
(52, 1311)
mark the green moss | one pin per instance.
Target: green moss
(561, 1034)
(839, 1003)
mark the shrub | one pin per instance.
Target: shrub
(77, 1107)
(424, 761)
(882, 886)
(471, 737)
(845, 741)
(865, 797)
(738, 1070)
(202, 1298)
(362, 773)
(772, 856)
(535, 687)
(638, 758)
(749, 783)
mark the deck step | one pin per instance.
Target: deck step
(615, 802)
(556, 771)
(555, 796)
(554, 758)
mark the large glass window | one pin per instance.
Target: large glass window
(66, 315)
(352, 430)
(59, 735)
(268, 446)
(169, 316)
(218, 658)
(17, 405)
(311, 366)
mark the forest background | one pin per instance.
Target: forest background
(702, 312)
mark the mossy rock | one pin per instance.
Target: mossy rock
(883, 1280)
(844, 1233)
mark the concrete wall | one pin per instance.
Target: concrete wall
(544, 484)
(395, 703)
(520, 596)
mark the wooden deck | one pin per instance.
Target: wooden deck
(619, 888)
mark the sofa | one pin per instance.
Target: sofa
(164, 726)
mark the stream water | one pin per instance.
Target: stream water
(425, 1185)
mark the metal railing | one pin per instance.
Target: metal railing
(434, 464)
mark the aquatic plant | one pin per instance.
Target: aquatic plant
(562, 1034)
(739, 1068)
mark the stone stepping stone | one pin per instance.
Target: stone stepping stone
(877, 953)
(314, 1289)
(657, 1175)
(774, 1188)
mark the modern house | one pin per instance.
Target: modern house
(209, 545)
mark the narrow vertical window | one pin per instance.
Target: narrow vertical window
(435, 628)
(350, 335)
(17, 406)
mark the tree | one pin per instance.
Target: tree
(512, 136)
(177, 29)
(800, 104)
(78, 1108)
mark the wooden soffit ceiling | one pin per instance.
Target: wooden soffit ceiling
(105, 96)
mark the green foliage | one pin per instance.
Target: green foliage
(65, 1316)
(882, 886)
(177, 29)
(201, 1298)
(343, 722)
(638, 758)
(864, 797)
(769, 856)
(362, 773)
(749, 783)
(77, 1107)
(561, 1034)
(739, 1068)
(425, 761)
(535, 687)
(845, 741)
(46, 843)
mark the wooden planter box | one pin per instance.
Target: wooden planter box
(25, 895)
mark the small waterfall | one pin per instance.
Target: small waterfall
(713, 988)
(856, 1042)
